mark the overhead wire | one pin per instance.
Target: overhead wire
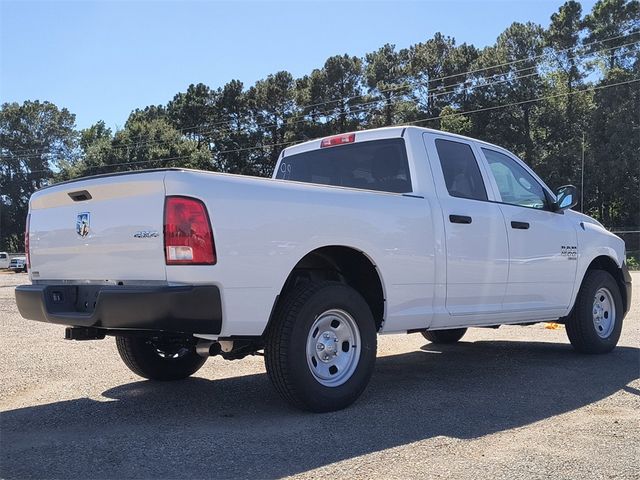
(360, 107)
(415, 122)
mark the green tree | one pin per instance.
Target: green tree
(454, 122)
(232, 136)
(343, 79)
(95, 147)
(563, 38)
(142, 144)
(35, 137)
(95, 133)
(272, 103)
(613, 170)
(510, 76)
(435, 67)
(560, 140)
(194, 111)
(613, 24)
(386, 77)
(330, 98)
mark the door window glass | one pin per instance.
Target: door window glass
(516, 185)
(460, 168)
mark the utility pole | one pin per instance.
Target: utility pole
(582, 178)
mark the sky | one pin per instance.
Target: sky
(102, 59)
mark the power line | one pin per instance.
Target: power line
(513, 104)
(498, 66)
(427, 82)
(496, 107)
(446, 77)
(366, 107)
(414, 84)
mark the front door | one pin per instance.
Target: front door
(542, 243)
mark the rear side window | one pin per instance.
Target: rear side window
(460, 169)
(3, 256)
(375, 165)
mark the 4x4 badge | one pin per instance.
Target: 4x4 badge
(83, 221)
(569, 251)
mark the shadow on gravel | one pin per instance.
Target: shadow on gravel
(238, 427)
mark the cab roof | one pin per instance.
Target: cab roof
(373, 134)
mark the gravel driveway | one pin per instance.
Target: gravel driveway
(515, 402)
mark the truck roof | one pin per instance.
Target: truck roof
(375, 133)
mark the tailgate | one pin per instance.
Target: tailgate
(114, 235)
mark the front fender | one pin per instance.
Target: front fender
(596, 244)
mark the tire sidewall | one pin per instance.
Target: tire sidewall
(149, 364)
(316, 395)
(595, 281)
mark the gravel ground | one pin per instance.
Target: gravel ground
(516, 402)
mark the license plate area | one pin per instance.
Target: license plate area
(72, 298)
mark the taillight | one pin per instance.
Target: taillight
(338, 140)
(188, 238)
(26, 242)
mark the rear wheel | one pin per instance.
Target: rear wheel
(321, 347)
(444, 336)
(160, 358)
(596, 321)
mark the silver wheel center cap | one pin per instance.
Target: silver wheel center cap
(597, 311)
(327, 346)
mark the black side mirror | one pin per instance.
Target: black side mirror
(566, 197)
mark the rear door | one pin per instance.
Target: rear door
(542, 243)
(101, 229)
(477, 256)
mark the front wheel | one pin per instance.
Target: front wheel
(160, 358)
(321, 347)
(596, 322)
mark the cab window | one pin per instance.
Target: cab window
(372, 165)
(460, 169)
(516, 185)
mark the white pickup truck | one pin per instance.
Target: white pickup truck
(381, 231)
(18, 264)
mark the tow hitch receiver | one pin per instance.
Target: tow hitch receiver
(83, 333)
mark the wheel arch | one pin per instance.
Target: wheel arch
(609, 265)
(343, 263)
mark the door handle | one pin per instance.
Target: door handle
(459, 219)
(520, 225)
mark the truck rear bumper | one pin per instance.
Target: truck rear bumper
(181, 309)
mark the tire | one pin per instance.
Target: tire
(596, 321)
(158, 359)
(332, 376)
(442, 337)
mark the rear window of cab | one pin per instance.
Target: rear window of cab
(373, 165)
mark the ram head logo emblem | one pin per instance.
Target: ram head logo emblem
(83, 221)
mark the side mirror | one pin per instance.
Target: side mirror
(566, 197)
